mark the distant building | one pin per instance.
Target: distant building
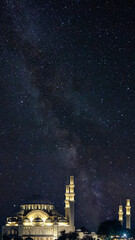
(87, 235)
(39, 220)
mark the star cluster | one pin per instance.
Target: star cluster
(67, 104)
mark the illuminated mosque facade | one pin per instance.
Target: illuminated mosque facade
(40, 220)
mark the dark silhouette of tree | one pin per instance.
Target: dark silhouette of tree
(73, 236)
(87, 238)
(83, 229)
(63, 235)
(6, 237)
(68, 236)
(133, 233)
(9, 237)
(110, 228)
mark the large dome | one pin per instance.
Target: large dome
(37, 199)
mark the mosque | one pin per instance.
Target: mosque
(40, 220)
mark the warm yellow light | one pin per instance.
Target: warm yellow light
(67, 205)
(67, 188)
(127, 211)
(71, 180)
(63, 223)
(12, 224)
(37, 213)
(48, 224)
(27, 223)
(67, 196)
(128, 202)
(43, 219)
(120, 209)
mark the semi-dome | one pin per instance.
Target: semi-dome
(62, 220)
(27, 220)
(28, 238)
(37, 220)
(12, 219)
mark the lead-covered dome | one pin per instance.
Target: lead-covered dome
(37, 199)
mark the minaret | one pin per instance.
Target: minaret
(120, 213)
(69, 202)
(67, 205)
(128, 214)
(72, 200)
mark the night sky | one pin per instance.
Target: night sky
(67, 105)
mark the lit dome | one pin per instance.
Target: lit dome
(27, 220)
(12, 219)
(37, 221)
(38, 199)
(62, 220)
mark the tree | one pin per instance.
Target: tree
(87, 238)
(73, 236)
(109, 228)
(68, 236)
(63, 235)
(84, 229)
(9, 237)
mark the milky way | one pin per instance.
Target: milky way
(67, 105)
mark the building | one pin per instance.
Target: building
(39, 220)
(85, 234)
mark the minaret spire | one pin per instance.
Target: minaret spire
(128, 214)
(67, 205)
(120, 213)
(69, 202)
